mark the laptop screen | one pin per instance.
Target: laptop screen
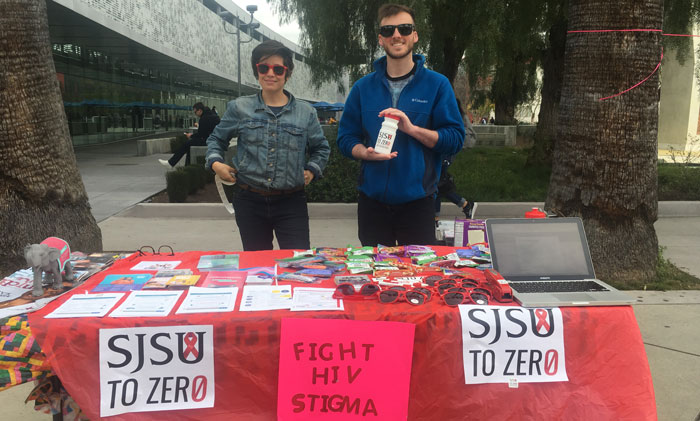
(539, 249)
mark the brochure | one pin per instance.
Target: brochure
(147, 304)
(315, 299)
(86, 305)
(218, 262)
(260, 275)
(152, 265)
(217, 279)
(208, 300)
(266, 297)
(121, 283)
(161, 279)
(182, 281)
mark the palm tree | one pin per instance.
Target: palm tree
(605, 156)
(41, 192)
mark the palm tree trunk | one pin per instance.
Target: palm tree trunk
(605, 156)
(41, 193)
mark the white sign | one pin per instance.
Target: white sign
(512, 345)
(156, 369)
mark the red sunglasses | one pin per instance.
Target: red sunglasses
(278, 69)
(347, 291)
(456, 298)
(395, 294)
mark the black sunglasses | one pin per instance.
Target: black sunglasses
(404, 29)
(277, 69)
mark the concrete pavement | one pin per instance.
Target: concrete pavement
(117, 181)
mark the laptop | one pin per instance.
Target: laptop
(547, 263)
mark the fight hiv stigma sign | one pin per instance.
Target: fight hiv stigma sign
(344, 369)
(512, 345)
(156, 369)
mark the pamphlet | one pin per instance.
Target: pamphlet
(86, 305)
(260, 275)
(469, 231)
(26, 308)
(208, 300)
(218, 262)
(315, 299)
(161, 279)
(121, 283)
(147, 304)
(182, 281)
(266, 297)
(217, 279)
(151, 265)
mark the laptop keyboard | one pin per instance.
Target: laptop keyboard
(560, 286)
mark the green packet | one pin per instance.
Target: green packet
(360, 258)
(425, 258)
(354, 251)
(359, 269)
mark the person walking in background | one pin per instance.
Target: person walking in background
(275, 133)
(446, 184)
(207, 121)
(396, 202)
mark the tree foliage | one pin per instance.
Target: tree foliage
(342, 35)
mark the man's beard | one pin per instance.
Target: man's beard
(409, 50)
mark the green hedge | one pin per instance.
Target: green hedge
(339, 182)
(183, 181)
(679, 182)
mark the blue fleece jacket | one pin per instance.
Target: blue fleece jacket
(429, 102)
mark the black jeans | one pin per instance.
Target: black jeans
(389, 225)
(184, 150)
(259, 216)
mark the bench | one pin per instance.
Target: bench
(490, 135)
(145, 147)
(197, 151)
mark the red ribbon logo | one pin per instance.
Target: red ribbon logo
(191, 340)
(542, 320)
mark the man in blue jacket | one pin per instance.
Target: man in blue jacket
(397, 190)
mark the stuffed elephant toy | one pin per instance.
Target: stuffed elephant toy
(51, 256)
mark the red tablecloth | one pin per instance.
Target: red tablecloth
(609, 375)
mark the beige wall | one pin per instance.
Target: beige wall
(678, 108)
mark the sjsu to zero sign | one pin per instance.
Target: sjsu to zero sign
(156, 369)
(512, 344)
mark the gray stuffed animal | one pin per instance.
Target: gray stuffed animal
(51, 256)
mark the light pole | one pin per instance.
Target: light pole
(251, 8)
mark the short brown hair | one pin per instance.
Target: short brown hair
(269, 48)
(391, 9)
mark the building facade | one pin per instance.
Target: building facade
(132, 67)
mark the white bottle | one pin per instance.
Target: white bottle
(387, 134)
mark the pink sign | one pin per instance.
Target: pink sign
(344, 369)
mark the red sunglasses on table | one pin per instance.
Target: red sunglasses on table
(348, 291)
(415, 296)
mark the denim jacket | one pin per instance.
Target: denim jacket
(272, 150)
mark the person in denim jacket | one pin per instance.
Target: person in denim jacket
(275, 133)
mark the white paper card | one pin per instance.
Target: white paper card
(147, 304)
(266, 297)
(315, 299)
(208, 300)
(86, 305)
(164, 265)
